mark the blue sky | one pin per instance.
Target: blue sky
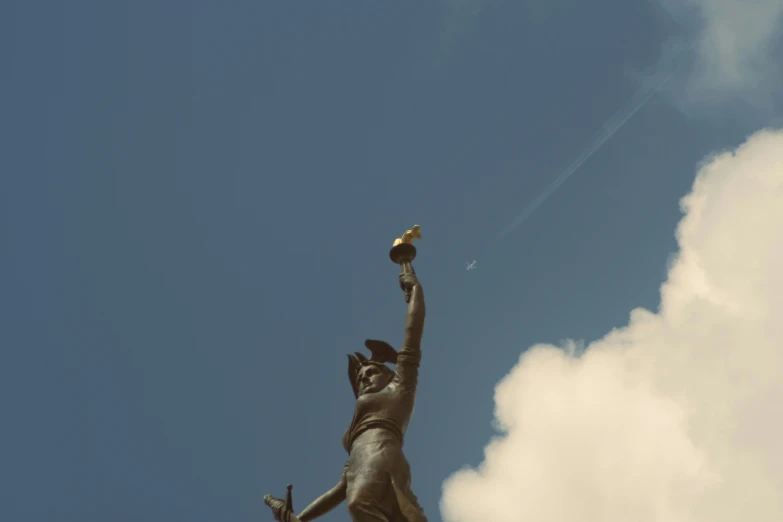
(197, 205)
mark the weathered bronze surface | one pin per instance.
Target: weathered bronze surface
(376, 480)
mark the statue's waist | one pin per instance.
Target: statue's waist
(376, 430)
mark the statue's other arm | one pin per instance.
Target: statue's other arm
(326, 502)
(409, 356)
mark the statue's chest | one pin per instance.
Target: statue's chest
(383, 401)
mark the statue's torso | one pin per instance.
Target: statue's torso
(389, 409)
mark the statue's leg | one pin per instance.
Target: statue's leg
(373, 499)
(371, 494)
(409, 507)
(361, 511)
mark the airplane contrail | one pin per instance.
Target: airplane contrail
(610, 127)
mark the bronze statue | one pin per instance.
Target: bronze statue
(376, 480)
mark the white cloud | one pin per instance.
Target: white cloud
(734, 51)
(677, 417)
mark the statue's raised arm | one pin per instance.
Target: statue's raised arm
(403, 253)
(376, 480)
(409, 357)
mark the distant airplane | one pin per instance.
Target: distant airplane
(470, 266)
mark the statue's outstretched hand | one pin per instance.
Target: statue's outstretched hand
(279, 511)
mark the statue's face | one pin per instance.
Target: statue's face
(372, 379)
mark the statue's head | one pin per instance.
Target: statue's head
(371, 375)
